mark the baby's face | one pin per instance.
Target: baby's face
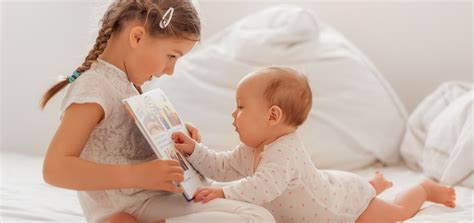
(251, 113)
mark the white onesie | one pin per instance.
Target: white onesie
(286, 182)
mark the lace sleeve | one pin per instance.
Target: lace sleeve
(88, 88)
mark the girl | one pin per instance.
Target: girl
(99, 151)
(271, 167)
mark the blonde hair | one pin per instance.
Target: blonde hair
(289, 90)
(184, 24)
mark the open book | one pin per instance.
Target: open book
(157, 120)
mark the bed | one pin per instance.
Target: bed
(25, 197)
(338, 132)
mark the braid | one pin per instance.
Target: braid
(185, 22)
(99, 47)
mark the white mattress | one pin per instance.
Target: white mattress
(26, 198)
(402, 177)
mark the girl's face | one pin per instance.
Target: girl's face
(251, 114)
(153, 56)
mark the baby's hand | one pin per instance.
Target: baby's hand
(183, 143)
(193, 132)
(206, 194)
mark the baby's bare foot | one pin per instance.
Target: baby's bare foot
(440, 194)
(379, 183)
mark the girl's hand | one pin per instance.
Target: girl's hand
(193, 132)
(206, 194)
(158, 175)
(183, 143)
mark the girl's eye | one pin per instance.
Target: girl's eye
(240, 107)
(171, 57)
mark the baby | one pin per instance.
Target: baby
(272, 168)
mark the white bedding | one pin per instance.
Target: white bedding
(439, 138)
(403, 177)
(25, 197)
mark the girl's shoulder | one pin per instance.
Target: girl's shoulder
(90, 87)
(89, 78)
(90, 84)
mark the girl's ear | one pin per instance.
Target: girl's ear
(136, 34)
(276, 115)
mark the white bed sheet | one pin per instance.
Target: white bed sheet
(403, 177)
(24, 197)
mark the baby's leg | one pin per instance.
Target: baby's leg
(122, 217)
(379, 183)
(408, 203)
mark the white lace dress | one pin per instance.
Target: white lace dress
(115, 140)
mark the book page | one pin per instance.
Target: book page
(158, 120)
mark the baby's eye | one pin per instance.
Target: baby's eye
(240, 107)
(171, 57)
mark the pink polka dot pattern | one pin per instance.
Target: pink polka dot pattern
(286, 182)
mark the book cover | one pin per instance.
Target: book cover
(157, 119)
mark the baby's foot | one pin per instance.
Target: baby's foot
(379, 183)
(440, 194)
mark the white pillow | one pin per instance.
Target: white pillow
(356, 117)
(439, 137)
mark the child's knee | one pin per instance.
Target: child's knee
(122, 217)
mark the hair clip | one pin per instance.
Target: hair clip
(73, 77)
(165, 21)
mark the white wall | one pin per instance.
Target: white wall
(40, 41)
(416, 45)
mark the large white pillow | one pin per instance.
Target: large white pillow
(356, 117)
(439, 136)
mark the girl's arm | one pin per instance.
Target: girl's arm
(63, 168)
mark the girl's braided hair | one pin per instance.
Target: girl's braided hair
(184, 24)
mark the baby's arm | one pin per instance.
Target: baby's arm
(270, 180)
(218, 166)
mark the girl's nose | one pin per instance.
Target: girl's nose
(169, 70)
(164, 73)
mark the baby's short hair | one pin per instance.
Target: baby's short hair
(289, 89)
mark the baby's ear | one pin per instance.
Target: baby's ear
(276, 115)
